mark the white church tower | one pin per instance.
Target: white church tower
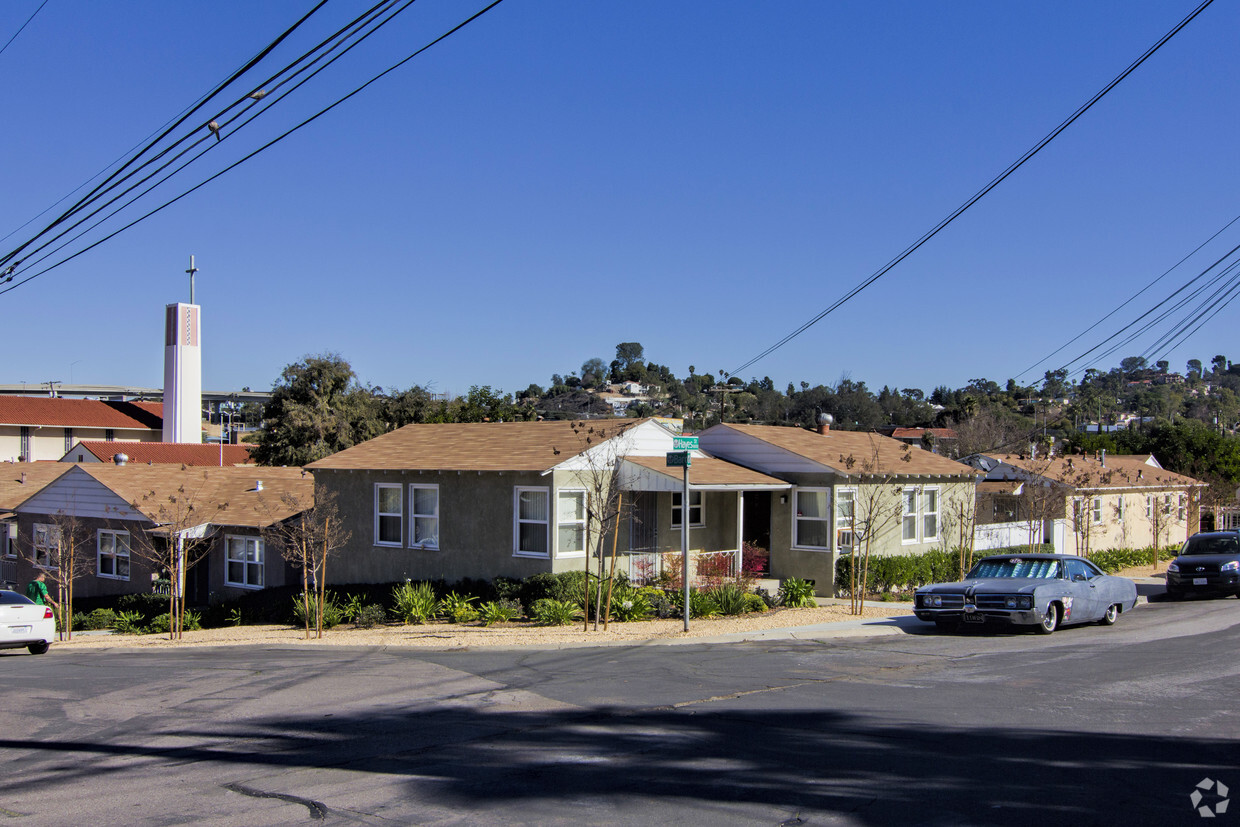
(182, 374)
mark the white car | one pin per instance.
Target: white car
(25, 623)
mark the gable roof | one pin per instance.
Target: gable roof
(846, 452)
(1087, 472)
(19, 481)
(476, 446)
(159, 453)
(227, 496)
(80, 413)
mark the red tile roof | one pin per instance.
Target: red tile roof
(161, 453)
(80, 413)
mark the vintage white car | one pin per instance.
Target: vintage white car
(24, 623)
(1044, 591)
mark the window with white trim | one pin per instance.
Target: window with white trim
(908, 522)
(570, 523)
(813, 518)
(929, 514)
(424, 516)
(112, 557)
(531, 522)
(845, 511)
(389, 515)
(696, 512)
(46, 540)
(244, 564)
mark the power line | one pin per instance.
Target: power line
(882, 271)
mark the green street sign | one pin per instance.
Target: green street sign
(685, 443)
(678, 459)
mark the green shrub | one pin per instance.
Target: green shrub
(796, 593)
(414, 603)
(499, 611)
(730, 598)
(551, 612)
(370, 616)
(332, 613)
(755, 603)
(458, 608)
(127, 623)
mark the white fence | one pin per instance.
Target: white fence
(1003, 535)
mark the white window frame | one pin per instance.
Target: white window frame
(559, 523)
(697, 510)
(517, 521)
(43, 548)
(415, 518)
(928, 513)
(247, 541)
(797, 517)
(114, 554)
(909, 517)
(400, 515)
(845, 524)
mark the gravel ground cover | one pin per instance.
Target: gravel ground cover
(442, 635)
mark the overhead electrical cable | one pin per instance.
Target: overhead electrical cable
(259, 150)
(1127, 301)
(33, 258)
(22, 27)
(882, 271)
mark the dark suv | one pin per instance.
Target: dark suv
(1209, 563)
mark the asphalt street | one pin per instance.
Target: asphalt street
(1092, 725)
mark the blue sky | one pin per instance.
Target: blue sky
(561, 176)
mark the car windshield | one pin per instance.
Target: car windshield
(13, 597)
(1227, 544)
(1016, 567)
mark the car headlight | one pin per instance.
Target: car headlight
(1173, 567)
(1233, 565)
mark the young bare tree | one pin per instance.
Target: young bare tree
(877, 506)
(179, 539)
(61, 549)
(308, 530)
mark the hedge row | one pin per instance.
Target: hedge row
(905, 572)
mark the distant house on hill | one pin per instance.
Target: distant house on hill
(37, 428)
(159, 453)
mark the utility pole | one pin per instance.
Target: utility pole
(192, 269)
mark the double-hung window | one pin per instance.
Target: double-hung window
(389, 516)
(424, 516)
(845, 508)
(570, 521)
(113, 555)
(531, 522)
(244, 564)
(813, 518)
(46, 540)
(696, 517)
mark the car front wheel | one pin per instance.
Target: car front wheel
(1109, 618)
(38, 648)
(1050, 620)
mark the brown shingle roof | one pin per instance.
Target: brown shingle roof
(177, 453)
(223, 496)
(78, 413)
(707, 471)
(19, 481)
(476, 446)
(848, 452)
(1123, 471)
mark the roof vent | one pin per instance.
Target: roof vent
(120, 459)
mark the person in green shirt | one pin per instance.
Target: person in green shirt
(37, 590)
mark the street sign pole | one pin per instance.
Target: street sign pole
(684, 542)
